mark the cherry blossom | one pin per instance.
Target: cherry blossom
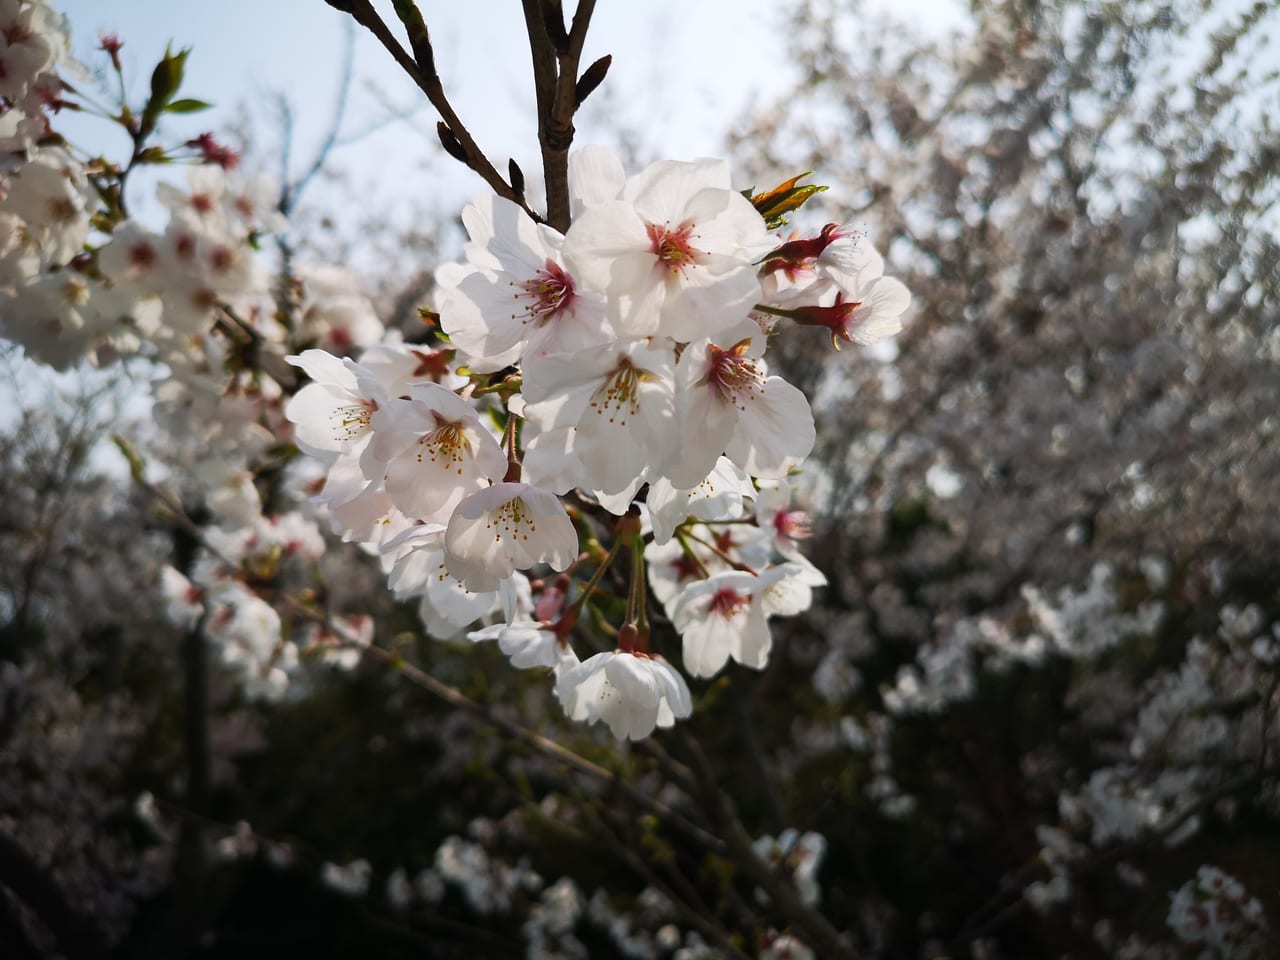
(334, 414)
(515, 296)
(620, 403)
(729, 404)
(507, 527)
(629, 692)
(435, 450)
(529, 644)
(723, 617)
(675, 254)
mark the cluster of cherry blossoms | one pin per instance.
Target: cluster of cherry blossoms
(617, 369)
(195, 303)
(1215, 910)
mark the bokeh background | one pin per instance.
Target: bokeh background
(1032, 714)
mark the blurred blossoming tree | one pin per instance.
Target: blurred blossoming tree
(1033, 710)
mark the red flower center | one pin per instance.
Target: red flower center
(549, 293)
(734, 377)
(673, 247)
(729, 603)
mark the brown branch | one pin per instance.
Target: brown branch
(428, 81)
(692, 910)
(815, 929)
(517, 731)
(559, 128)
(545, 85)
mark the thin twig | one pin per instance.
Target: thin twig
(456, 698)
(559, 129)
(694, 913)
(814, 927)
(367, 17)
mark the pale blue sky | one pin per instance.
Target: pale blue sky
(665, 75)
(682, 71)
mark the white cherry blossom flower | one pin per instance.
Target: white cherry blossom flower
(784, 526)
(596, 176)
(60, 317)
(504, 528)
(723, 617)
(436, 451)
(359, 509)
(632, 693)
(675, 254)
(398, 366)
(183, 599)
(52, 199)
(859, 305)
(729, 404)
(718, 497)
(515, 297)
(31, 45)
(334, 313)
(415, 563)
(528, 644)
(792, 593)
(333, 415)
(621, 403)
(132, 259)
(671, 568)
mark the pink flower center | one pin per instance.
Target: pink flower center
(142, 255)
(685, 568)
(221, 259)
(185, 246)
(729, 603)
(432, 365)
(792, 525)
(62, 210)
(734, 377)
(673, 248)
(549, 293)
(17, 33)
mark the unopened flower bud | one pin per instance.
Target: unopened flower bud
(551, 601)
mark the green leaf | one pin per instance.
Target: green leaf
(187, 105)
(166, 78)
(773, 205)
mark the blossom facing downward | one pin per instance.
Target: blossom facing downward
(724, 616)
(529, 644)
(504, 528)
(632, 693)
